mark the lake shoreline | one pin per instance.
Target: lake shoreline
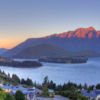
(61, 73)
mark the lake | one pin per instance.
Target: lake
(61, 73)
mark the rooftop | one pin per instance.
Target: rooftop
(94, 93)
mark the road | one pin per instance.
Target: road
(57, 97)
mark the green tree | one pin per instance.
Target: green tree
(46, 81)
(15, 78)
(98, 86)
(90, 88)
(51, 85)
(9, 97)
(59, 87)
(45, 91)
(79, 86)
(19, 95)
(23, 81)
(81, 97)
(29, 82)
(2, 94)
(85, 86)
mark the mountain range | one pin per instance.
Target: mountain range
(78, 33)
(82, 41)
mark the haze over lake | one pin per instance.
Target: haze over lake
(61, 73)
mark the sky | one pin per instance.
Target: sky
(23, 19)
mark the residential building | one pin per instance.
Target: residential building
(28, 92)
(51, 93)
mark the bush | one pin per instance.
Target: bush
(9, 97)
(19, 95)
(2, 94)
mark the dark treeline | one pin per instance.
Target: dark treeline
(23, 64)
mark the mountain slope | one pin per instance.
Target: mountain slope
(43, 50)
(48, 50)
(82, 39)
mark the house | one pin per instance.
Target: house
(28, 92)
(51, 93)
(7, 88)
(38, 92)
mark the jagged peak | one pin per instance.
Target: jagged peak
(91, 28)
(88, 29)
(80, 33)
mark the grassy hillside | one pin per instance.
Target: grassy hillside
(48, 50)
(42, 50)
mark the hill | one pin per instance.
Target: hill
(48, 50)
(43, 50)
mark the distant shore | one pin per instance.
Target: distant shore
(64, 60)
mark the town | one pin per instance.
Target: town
(21, 89)
(28, 93)
(36, 94)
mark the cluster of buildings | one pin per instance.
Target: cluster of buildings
(93, 94)
(30, 93)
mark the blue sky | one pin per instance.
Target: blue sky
(22, 19)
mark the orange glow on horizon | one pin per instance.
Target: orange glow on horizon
(12, 41)
(8, 46)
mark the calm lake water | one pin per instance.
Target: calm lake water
(61, 73)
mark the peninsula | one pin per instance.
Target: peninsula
(24, 64)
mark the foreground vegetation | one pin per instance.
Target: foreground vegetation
(7, 96)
